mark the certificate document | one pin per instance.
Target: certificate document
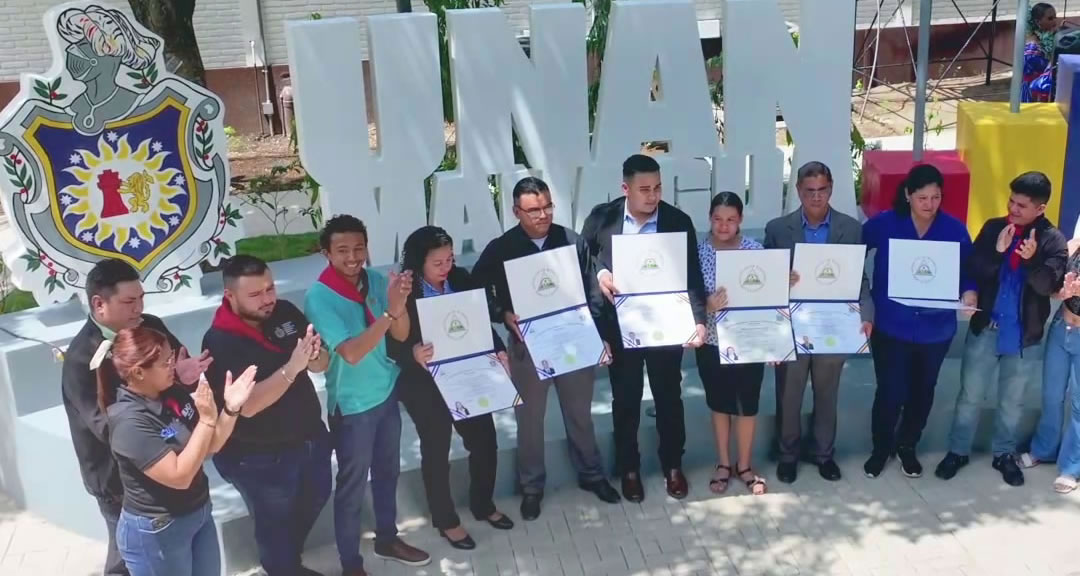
(650, 320)
(830, 272)
(563, 342)
(754, 278)
(474, 385)
(555, 322)
(925, 273)
(828, 328)
(649, 263)
(456, 324)
(464, 365)
(652, 304)
(754, 335)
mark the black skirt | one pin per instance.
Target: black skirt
(732, 389)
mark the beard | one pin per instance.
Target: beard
(254, 314)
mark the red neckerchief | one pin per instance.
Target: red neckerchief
(172, 404)
(227, 321)
(1014, 256)
(346, 289)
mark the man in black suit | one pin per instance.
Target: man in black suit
(641, 211)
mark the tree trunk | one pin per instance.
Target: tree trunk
(171, 19)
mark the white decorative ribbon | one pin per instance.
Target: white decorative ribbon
(102, 352)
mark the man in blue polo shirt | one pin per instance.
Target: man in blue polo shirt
(353, 309)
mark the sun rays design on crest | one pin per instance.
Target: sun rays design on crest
(125, 193)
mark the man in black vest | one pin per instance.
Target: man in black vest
(534, 233)
(115, 296)
(641, 211)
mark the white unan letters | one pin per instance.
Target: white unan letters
(496, 87)
(762, 67)
(385, 189)
(625, 115)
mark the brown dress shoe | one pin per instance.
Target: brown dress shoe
(676, 484)
(398, 551)
(632, 489)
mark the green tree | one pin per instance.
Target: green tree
(172, 20)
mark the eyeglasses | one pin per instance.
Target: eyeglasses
(817, 193)
(535, 213)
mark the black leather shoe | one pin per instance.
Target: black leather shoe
(676, 484)
(466, 543)
(603, 490)
(503, 523)
(950, 465)
(530, 506)
(787, 472)
(829, 470)
(632, 489)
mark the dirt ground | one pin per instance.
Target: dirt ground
(887, 110)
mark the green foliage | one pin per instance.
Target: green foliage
(279, 247)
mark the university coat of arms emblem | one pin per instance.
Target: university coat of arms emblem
(110, 156)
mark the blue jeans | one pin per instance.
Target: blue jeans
(284, 492)
(1062, 360)
(980, 359)
(368, 441)
(169, 545)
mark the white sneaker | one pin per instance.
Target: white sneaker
(1026, 460)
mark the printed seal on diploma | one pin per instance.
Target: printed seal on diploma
(925, 274)
(756, 325)
(464, 365)
(826, 316)
(652, 304)
(553, 316)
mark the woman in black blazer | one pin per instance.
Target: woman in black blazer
(429, 254)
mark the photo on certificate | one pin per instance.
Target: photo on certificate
(649, 263)
(754, 278)
(830, 272)
(545, 282)
(651, 320)
(925, 273)
(474, 385)
(828, 328)
(456, 324)
(563, 342)
(753, 336)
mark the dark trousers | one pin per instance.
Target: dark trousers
(110, 510)
(285, 491)
(433, 425)
(907, 374)
(366, 442)
(627, 384)
(824, 373)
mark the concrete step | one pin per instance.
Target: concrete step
(47, 461)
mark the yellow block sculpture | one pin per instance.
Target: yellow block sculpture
(997, 145)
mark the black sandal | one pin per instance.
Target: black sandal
(719, 485)
(754, 482)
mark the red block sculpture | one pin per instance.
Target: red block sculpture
(884, 170)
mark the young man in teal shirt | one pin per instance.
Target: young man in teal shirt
(353, 309)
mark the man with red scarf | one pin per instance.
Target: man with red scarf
(278, 457)
(354, 309)
(1017, 262)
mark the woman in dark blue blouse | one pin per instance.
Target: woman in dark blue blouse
(909, 344)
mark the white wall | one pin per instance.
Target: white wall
(221, 31)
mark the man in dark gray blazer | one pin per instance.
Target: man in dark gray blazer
(815, 222)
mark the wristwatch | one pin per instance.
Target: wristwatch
(230, 412)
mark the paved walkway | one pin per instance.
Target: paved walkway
(889, 526)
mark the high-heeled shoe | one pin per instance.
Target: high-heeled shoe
(503, 523)
(466, 543)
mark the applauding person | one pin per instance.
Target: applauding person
(354, 310)
(160, 435)
(278, 457)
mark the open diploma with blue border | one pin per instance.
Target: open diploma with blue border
(925, 274)
(464, 365)
(756, 325)
(553, 316)
(652, 304)
(825, 312)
